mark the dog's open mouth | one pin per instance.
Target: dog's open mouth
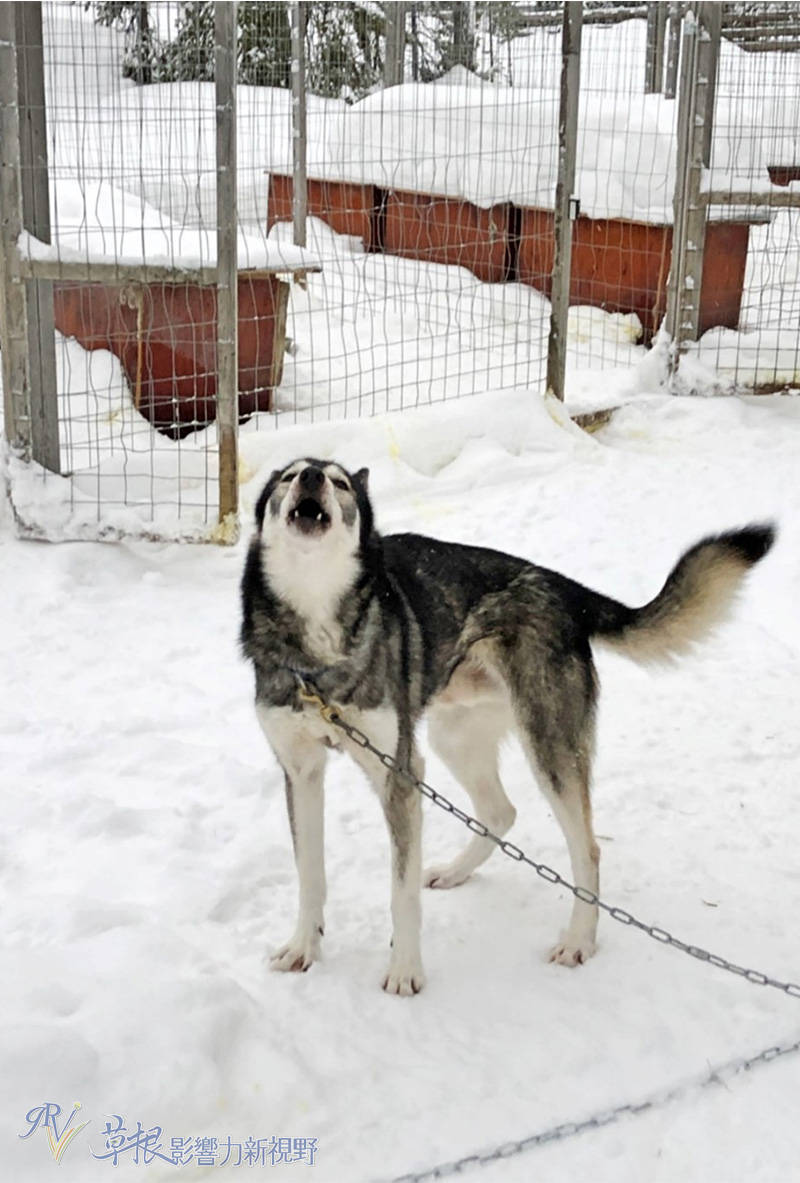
(309, 516)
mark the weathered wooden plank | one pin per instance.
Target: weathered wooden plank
(84, 271)
(281, 296)
(743, 197)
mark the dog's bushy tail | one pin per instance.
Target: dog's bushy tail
(697, 596)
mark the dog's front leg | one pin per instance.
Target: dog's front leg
(402, 809)
(302, 758)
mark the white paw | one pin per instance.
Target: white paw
(450, 875)
(404, 978)
(573, 953)
(297, 955)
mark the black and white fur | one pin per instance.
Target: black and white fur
(484, 642)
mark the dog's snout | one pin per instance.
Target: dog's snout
(311, 478)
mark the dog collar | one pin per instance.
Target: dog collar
(309, 693)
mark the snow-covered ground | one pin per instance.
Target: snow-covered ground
(146, 867)
(145, 861)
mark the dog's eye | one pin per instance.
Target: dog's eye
(339, 483)
(287, 476)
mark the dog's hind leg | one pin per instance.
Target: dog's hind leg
(467, 740)
(568, 796)
(555, 716)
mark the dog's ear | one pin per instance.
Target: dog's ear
(266, 493)
(360, 480)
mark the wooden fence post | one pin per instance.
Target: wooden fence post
(565, 207)
(699, 55)
(13, 312)
(673, 49)
(299, 141)
(26, 306)
(654, 65)
(36, 219)
(225, 27)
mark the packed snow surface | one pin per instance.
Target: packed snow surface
(146, 861)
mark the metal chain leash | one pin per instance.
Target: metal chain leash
(597, 1121)
(309, 694)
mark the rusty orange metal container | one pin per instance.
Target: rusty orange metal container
(440, 230)
(623, 266)
(165, 336)
(617, 264)
(347, 208)
(783, 174)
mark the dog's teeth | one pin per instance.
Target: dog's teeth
(319, 517)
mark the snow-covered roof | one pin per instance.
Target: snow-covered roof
(98, 223)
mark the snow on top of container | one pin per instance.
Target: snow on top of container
(96, 222)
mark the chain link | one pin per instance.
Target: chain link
(331, 715)
(597, 1121)
(605, 1117)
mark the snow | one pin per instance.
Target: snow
(123, 477)
(374, 333)
(501, 145)
(771, 356)
(370, 334)
(96, 222)
(146, 860)
(463, 139)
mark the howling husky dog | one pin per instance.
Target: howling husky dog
(386, 628)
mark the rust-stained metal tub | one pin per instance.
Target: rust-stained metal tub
(346, 207)
(617, 264)
(441, 230)
(623, 266)
(165, 336)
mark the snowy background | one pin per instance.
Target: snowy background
(145, 864)
(133, 176)
(146, 861)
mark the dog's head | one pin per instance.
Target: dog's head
(311, 502)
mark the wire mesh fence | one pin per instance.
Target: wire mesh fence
(118, 177)
(429, 141)
(753, 171)
(409, 196)
(134, 354)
